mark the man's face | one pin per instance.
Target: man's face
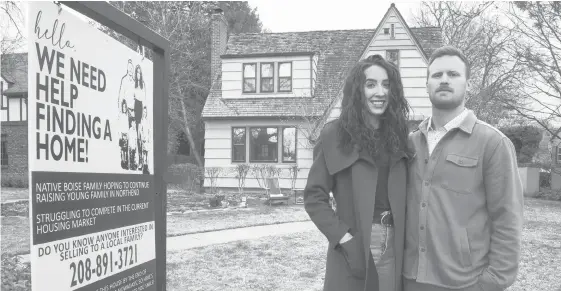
(447, 83)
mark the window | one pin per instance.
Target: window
(249, 78)
(267, 77)
(238, 144)
(386, 31)
(392, 31)
(4, 151)
(263, 144)
(285, 77)
(392, 56)
(289, 144)
(4, 100)
(559, 154)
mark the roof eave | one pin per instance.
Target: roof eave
(15, 93)
(269, 54)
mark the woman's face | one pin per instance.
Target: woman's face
(376, 89)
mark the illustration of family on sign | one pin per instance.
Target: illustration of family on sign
(134, 125)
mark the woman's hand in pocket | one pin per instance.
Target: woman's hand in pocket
(352, 254)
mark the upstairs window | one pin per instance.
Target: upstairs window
(249, 78)
(285, 77)
(267, 77)
(558, 154)
(392, 32)
(392, 56)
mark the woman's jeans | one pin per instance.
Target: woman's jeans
(381, 245)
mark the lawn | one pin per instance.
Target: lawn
(296, 262)
(15, 235)
(293, 262)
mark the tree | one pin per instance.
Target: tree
(11, 27)
(187, 26)
(475, 29)
(537, 26)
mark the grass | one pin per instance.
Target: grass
(292, 262)
(540, 264)
(218, 220)
(297, 262)
(15, 235)
(14, 194)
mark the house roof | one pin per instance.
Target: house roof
(14, 70)
(337, 50)
(429, 38)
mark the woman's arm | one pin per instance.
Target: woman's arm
(316, 200)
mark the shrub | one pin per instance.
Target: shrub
(20, 208)
(545, 179)
(193, 175)
(15, 275)
(212, 174)
(16, 181)
(526, 140)
(241, 171)
(216, 200)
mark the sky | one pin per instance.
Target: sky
(306, 15)
(309, 15)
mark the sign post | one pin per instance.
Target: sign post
(97, 148)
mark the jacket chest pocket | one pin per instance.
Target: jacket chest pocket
(458, 173)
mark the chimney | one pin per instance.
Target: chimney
(219, 37)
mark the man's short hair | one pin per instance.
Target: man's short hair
(449, 51)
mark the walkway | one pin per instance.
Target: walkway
(197, 240)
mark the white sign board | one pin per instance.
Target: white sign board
(90, 157)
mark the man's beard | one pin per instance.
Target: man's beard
(445, 104)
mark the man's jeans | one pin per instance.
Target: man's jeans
(381, 245)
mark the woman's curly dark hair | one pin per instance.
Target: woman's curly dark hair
(391, 136)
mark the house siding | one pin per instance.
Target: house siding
(218, 152)
(412, 66)
(232, 82)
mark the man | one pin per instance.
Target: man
(464, 193)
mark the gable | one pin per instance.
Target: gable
(14, 69)
(400, 36)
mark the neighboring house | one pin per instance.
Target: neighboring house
(553, 145)
(14, 115)
(270, 88)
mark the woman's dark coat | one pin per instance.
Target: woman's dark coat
(352, 179)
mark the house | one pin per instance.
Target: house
(552, 144)
(272, 92)
(13, 114)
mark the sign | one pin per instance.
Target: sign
(91, 157)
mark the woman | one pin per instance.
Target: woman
(362, 159)
(139, 101)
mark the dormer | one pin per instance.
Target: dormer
(263, 75)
